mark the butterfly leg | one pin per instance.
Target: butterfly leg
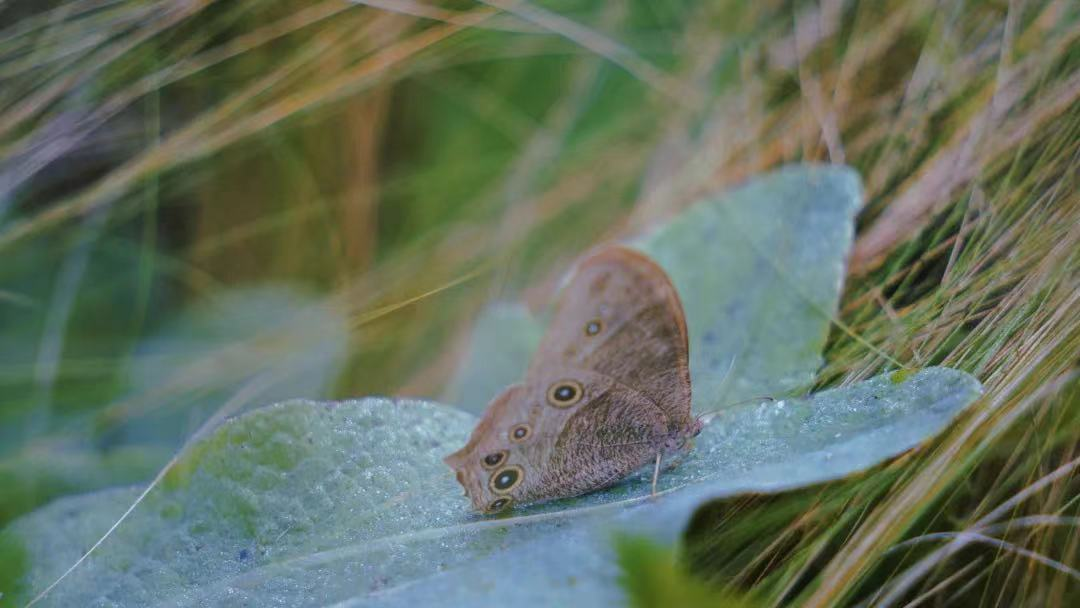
(655, 475)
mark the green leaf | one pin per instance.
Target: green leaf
(282, 485)
(307, 503)
(653, 577)
(759, 272)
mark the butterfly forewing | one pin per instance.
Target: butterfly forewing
(620, 316)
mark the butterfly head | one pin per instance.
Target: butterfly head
(487, 466)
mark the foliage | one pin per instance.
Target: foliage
(411, 168)
(308, 503)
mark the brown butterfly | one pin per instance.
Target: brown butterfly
(607, 392)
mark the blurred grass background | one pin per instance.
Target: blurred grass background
(195, 192)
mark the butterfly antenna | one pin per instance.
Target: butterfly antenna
(707, 417)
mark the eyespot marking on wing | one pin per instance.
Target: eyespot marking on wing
(506, 479)
(565, 393)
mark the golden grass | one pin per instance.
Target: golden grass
(414, 161)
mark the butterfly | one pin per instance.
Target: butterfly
(607, 392)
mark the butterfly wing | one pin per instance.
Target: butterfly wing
(611, 379)
(619, 316)
(608, 388)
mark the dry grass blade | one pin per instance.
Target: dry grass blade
(412, 160)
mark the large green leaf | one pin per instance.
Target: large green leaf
(759, 272)
(305, 503)
(308, 503)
